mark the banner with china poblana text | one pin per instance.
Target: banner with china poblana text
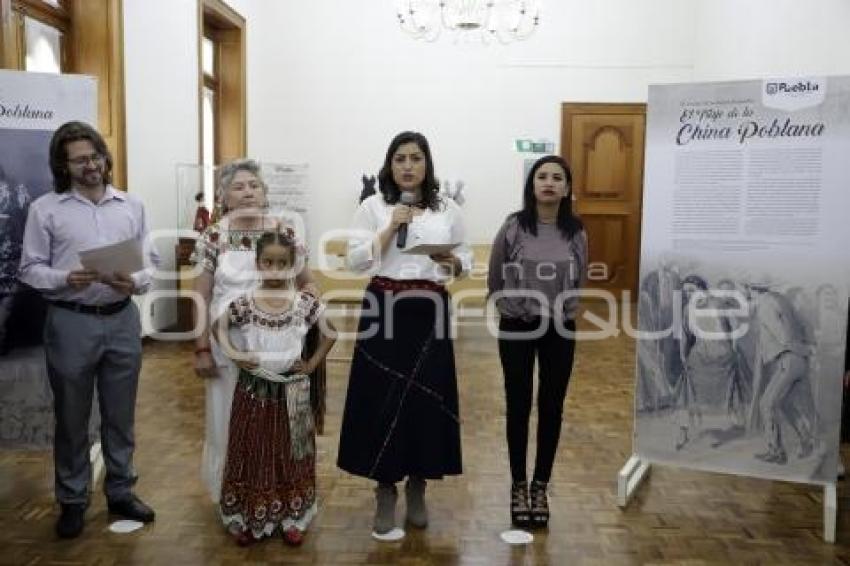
(32, 107)
(744, 276)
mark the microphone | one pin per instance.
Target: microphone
(409, 199)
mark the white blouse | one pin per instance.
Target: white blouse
(276, 339)
(443, 226)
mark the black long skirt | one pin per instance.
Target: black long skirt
(401, 410)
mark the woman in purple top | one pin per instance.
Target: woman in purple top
(537, 265)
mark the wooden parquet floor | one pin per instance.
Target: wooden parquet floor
(678, 516)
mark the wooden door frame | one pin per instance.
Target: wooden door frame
(569, 109)
(94, 45)
(228, 26)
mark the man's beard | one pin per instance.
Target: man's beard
(89, 180)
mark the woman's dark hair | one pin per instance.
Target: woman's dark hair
(430, 186)
(71, 132)
(568, 223)
(702, 285)
(283, 238)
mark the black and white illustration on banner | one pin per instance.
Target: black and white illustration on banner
(24, 176)
(731, 367)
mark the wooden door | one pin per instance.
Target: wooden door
(604, 145)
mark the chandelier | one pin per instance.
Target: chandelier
(488, 20)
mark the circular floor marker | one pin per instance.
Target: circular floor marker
(517, 537)
(391, 536)
(125, 526)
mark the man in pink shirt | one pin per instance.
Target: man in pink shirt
(92, 333)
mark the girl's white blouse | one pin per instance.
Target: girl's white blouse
(276, 339)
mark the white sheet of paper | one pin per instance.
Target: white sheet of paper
(394, 535)
(125, 526)
(430, 249)
(517, 537)
(124, 256)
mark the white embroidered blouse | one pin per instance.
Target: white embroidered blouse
(443, 226)
(277, 339)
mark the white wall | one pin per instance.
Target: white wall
(331, 81)
(764, 38)
(161, 79)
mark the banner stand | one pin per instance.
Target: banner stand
(33, 105)
(829, 512)
(636, 469)
(630, 478)
(743, 288)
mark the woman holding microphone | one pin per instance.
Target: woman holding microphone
(401, 411)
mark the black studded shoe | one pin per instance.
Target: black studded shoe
(539, 505)
(520, 510)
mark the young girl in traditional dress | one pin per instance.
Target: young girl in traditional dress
(270, 473)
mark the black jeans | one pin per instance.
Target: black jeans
(517, 354)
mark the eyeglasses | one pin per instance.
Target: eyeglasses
(83, 160)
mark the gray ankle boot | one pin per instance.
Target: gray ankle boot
(417, 512)
(385, 495)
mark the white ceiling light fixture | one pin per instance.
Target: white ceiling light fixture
(488, 20)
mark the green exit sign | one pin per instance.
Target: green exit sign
(531, 146)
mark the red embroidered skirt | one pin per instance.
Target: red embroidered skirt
(266, 484)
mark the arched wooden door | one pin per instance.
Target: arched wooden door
(604, 145)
